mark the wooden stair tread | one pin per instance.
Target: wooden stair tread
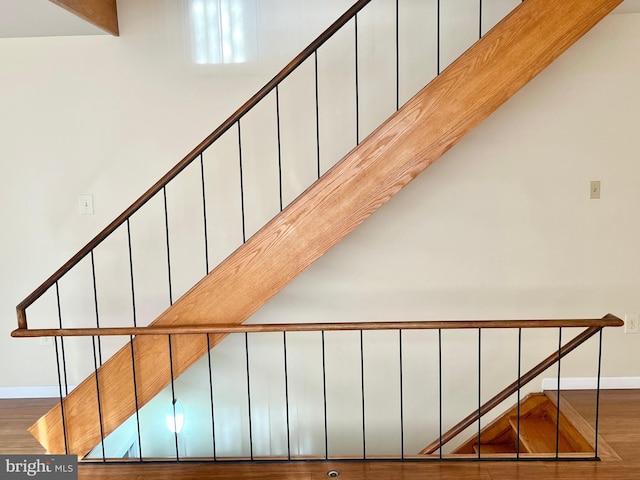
(538, 435)
(492, 448)
(499, 431)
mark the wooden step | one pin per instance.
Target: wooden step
(499, 431)
(494, 448)
(538, 435)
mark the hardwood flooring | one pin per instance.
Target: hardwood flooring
(619, 426)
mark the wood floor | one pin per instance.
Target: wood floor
(619, 426)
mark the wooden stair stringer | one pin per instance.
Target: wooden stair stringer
(582, 427)
(468, 91)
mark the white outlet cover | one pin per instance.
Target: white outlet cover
(631, 323)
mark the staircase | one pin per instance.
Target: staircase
(537, 430)
(419, 133)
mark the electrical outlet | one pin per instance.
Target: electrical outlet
(631, 323)
(46, 341)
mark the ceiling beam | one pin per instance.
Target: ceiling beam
(101, 13)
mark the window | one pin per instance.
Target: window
(221, 31)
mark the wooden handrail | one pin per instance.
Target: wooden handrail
(513, 388)
(597, 323)
(186, 161)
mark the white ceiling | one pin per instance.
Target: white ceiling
(41, 18)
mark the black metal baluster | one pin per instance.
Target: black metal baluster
(166, 229)
(173, 399)
(93, 341)
(133, 290)
(355, 19)
(246, 348)
(598, 394)
(244, 228)
(438, 38)
(135, 324)
(213, 420)
(324, 394)
(286, 394)
(401, 398)
(95, 365)
(558, 395)
(64, 358)
(135, 395)
(480, 21)
(315, 59)
(64, 422)
(397, 55)
(479, 391)
(279, 145)
(364, 433)
(519, 393)
(204, 215)
(95, 301)
(440, 386)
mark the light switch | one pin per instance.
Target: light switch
(85, 204)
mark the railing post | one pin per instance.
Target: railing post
(22, 318)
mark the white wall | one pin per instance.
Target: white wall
(501, 227)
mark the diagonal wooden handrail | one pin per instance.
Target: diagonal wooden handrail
(186, 161)
(513, 388)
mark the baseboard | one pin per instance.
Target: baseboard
(31, 392)
(591, 383)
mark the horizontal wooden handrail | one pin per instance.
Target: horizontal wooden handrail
(596, 323)
(513, 388)
(186, 161)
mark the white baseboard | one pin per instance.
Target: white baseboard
(31, 392)
(591, 383)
